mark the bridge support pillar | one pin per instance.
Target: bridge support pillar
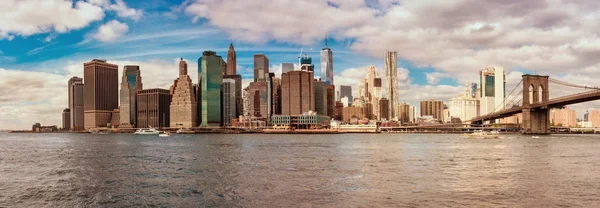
(536, 121)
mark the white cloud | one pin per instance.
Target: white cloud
(433, 78)
(111, 31)
(28, 17)
(123, 11)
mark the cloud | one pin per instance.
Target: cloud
(28, 17)
(123, 11)
(111, 31)
(434, 77)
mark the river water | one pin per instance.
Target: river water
(348, 170)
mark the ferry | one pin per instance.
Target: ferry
(479, 134)
(148, 131)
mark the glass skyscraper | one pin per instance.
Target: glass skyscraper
(210, 78)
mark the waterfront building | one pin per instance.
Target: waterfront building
(492, 84)
(66, 119)
(210, 79)
(320, 97)
(115, 119)
(131, 83)
(101, 92)
(391, 75)
(432, 108)
(465, 106)
(353, 114)
(327, 64)
(258, 104)
(309, 120)
(384, 109)
(594, 117)
(229, 101)
(376, 96)
(330, 100)
(404, 113)
(297, 92)
(231, 61)
(287, 67)
(346, 91)
(76, 110)
(153, 108)
(368, 110)
(239, 101)
(276, 92)
(184, 108)
(339, 108)
(412, 114)
(563, 117)
(261, 66)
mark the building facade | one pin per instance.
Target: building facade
(229, 101)
(184, 108)
(101, 92)
(239, 101)
(327, 65)
(75, 86)
(261, 66)
(297, 92)
(465, 106)
(492, 84)
(258, 104)
(131, 83)
(404, 113)
(66, 119)
(432, 108)
(384, 109)
(210, 79)
(563, 117)
(153, 108)
(287, 67)
(346, 91)
(391, 75)
(231, 62)
(352, 114)
(320, 97)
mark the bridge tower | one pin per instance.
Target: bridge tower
(536, 119)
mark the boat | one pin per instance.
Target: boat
(479, 134)
(535, 137)
(185, 131)
(147, 131)
(164, 134)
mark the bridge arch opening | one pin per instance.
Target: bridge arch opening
(531, 98)
(541, 94)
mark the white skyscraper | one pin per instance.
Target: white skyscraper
(327, 64)
(391, 84)
(492, 84)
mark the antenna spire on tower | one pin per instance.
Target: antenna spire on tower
(326, 37)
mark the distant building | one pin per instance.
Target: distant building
(384, 109)
(261, 66)
(330, 100)
(101, 92)
(306, 64)
(231, 62)
(297, 92)
(320, 97)
(153, 108)
(210, 79)
(115, 119)
(66, 119)
(287, 67)
(404, 113)
(327, 64)
(339, 109)
(492, 86)
(76, 104)
(239, 101)
(229, 101)
(586, 116)
(345, 101)
(352, 114)
(346, 91)
(432, 108)
(465, 106)
(391, 75)
(594, 117)
(563, 117)
(183, 109)
(258, 104)
(131, 83)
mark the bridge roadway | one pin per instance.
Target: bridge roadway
(552, 103)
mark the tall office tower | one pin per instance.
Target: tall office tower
(368, 109)
(101, 92)
(361, 90)
(261, 66)
(184, 108)
(306, 64)
(297, 92)
(131, 83)
(258, 104)
(276, 91)
(287, 67)
(404, 113)
(153, 108)
(327, 64)
(331, 100)
(320, 97)
(492, 83)
(229, 101)
(432, 108)
(270, 95)
(346, 91)
(412, 114)
(384, 109)
(239, 101)
(76, 111)
(464, 106)
(371, 75)
(210, 79)
(231, 61)
(66, 119)
(376, 96)
(391, 85)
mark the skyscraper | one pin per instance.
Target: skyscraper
(66, 119)
(404, 113)
(297, 92)
(346, 91)
(432, 108)
(76, 104)
(229, 101)
(320, 97)
(153, 108)
(101, 92)
(211, 78)
(239, 105)
(327, 64)
(384, 110)
(131, 83)
(258, 104)
(492, 83)
(287, 67)
(231, 61)
(183, 108)
(391, 75)
(261, 66)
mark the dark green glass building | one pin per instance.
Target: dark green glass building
(210, 75)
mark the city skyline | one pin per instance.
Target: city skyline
(49, 57)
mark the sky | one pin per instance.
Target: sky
(441, 45)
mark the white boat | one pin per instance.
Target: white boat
(147, 131)
(535, 137)
(483, 135)
(164, 134)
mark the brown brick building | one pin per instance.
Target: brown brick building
(353, 114)
(432, 108)
(100, 93)
(153, 108)
(384, 109)
(297, 92)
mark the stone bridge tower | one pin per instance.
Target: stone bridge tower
(536, 119)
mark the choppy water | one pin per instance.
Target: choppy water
(360, 170)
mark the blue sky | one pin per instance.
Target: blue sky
(440, 44)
